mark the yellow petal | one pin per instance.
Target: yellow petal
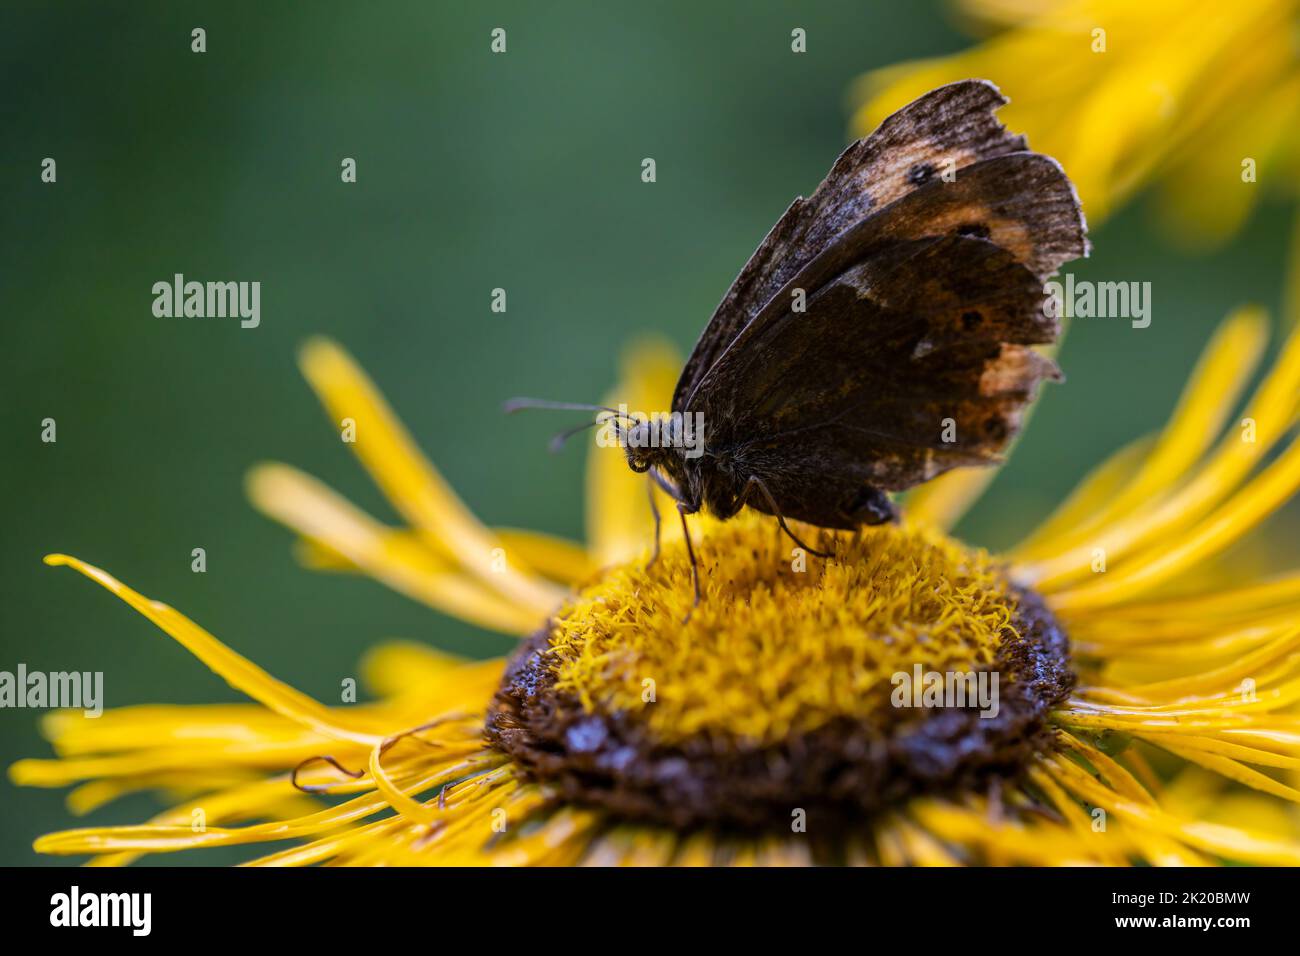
(1090, 496)
(1143, 572)
(1224, 368)
(563, 561)
(559, 559)
(398, 668)
(942, 502)
(403, 562)
(410, 481)
(241, 673)
(1229, 842)
(1171, 519)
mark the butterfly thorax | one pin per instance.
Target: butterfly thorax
(696, 480)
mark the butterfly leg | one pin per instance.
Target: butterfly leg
(690, 552)
(654, 513)
(756, 482)
(684, 508)
(673, 492)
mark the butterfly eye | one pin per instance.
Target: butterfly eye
(639, 465)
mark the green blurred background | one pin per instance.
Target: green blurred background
(474, 171)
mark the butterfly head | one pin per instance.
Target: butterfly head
(663, 440)
(642, 442)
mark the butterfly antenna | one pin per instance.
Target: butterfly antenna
(519, 404)
(557, 442)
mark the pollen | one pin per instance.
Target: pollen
(791, 685)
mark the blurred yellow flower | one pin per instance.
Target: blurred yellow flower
(1200, 96)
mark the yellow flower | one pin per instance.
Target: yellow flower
(766, 729)
(1201, 96)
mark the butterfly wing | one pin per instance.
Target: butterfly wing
(948, 128)
(914, 353)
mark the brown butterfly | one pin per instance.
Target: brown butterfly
(881, 334)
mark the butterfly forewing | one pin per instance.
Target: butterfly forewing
(946, 129)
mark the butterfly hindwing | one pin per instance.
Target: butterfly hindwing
(913, 361)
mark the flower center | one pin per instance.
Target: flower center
(907, 664)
